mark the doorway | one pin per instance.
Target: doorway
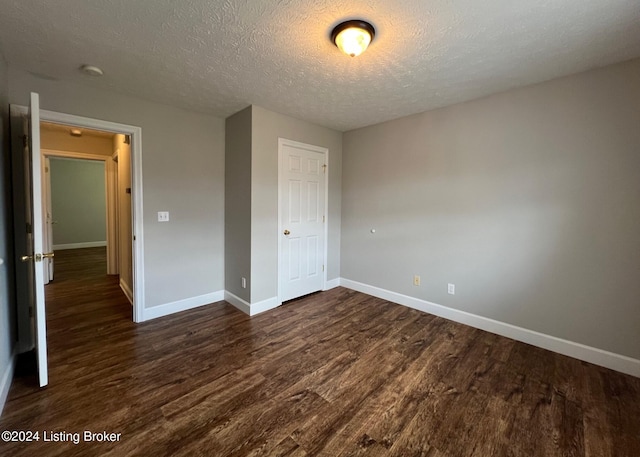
(18, 113)
(87, 197)
(74, 200)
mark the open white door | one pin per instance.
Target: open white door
(35, 235)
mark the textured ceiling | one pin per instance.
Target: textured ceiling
(220, 56)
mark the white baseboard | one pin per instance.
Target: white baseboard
(238, 302)
(251, 308)
(6, 379)
(332, 284)
(579, 351)
(264, 305)
(88, 244)
(127, 290)
(182, 305)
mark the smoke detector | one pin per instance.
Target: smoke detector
(91, 70)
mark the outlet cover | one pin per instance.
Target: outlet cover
(451, 289)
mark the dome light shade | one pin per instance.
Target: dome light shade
(353, 37)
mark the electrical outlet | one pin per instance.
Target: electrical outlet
(416, 280)
(244, 283)
(163, 216)
(451, 289)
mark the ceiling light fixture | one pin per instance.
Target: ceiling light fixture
(91, 70)
(353, 37)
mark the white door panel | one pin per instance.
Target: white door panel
(302, 211)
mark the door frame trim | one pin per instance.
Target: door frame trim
(136, 183)
(297, 144)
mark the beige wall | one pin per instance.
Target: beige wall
(62, 141)
(527, 200)
(183, 173)
(267, 127)
(237, 218)
(125, 228)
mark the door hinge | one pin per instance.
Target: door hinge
(25, 141)
(322, 267)
(29, 229)
(30, 311)
(324, 167)
(323, 219)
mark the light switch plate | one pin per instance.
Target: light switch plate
(163, 216)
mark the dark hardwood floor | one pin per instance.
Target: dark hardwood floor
(333, 374)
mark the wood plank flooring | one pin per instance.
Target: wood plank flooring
(337, 373)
